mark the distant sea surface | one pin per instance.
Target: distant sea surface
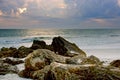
(86, 39)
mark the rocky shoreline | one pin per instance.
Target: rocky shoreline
(62, 60)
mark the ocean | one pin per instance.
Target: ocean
(103, 43)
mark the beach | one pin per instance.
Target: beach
(102, 43)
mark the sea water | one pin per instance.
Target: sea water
(103, 43)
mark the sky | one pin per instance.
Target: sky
(59, 13)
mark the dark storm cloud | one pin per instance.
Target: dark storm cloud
(95, 8)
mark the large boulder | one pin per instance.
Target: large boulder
(59, 45)
(61, 71)
(66, 48)
(38, 59)
(43, 64)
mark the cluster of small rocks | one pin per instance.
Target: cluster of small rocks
(21, 52)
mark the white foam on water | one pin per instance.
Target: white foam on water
(12, 77)
(104, 53)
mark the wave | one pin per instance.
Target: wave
(83, 38)
(114, 35)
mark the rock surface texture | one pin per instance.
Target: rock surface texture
(39, 45)
(62, 60)
(14, 61)
(40, 58)
(66, 48)
(6, 68)
(14, 52)
(43, 64)
(115, 63)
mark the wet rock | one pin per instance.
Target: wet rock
(64, 47)
(39, 45)
(43, 64)
(4, 49)
(14, 52)
(59, 71)
(81, 72)
(38, 59)
(6, 68)
(13, 61)
(91, 60)
(36, 75)
(11, 52)
(115, 63)
(83, 60)
(23, 52)
(25, 73)
(75, 60)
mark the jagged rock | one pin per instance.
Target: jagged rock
(115, 63)
(25, 73)
(83, 60)
(91, 60)
(16, 53)
(11, 52)
(75, 60)
(43, 64)
(38, 59)
(4, 49)
(40, 45)
(64, 47)
(7, 68)
(13, 61)
(23, 52)
(81, 72)
(37, 74)
(59, 45)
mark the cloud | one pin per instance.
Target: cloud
(10, 8)
(118, 1)
(95, 13)
(98, 8)
(102, 21)
(22, 10)
(59, 12)
(51, 8)
(62, 8)
(1, 13)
